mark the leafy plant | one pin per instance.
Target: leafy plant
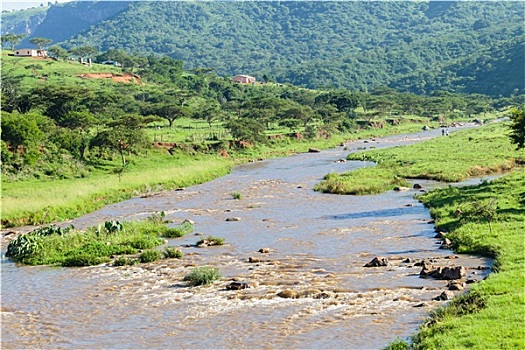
(210, 241)
(202, 275)
(172, 252)
(179, 231)
(158, 218)
(237, 195)
(150, 256)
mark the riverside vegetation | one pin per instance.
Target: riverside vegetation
(72, 144)
(487, 219)
(69, 247)
(454, 158)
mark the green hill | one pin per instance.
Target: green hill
(421, 47)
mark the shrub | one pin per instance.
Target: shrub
(120, 261)
(202, 275)
(158, 218)
(397, 344)
(237, 195)
(172, 252)
(211, 240)
(83, 259)
(179, 231)
(149, 256)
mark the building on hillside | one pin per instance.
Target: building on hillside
(243, 79)
(31, 53)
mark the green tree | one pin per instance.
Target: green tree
(246, 129)
(58, 51)
(84, 51)
(170, 111)
(517, 134)
(124, 135)
(58, 101)
(11, 39)
(40, 42)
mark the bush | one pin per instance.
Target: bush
(149, 256)
(120, 261)
(179, 231)
(397, 344)
(203, 275)
(172, 252)
(210, 241)
(83, 259)
(237, 195)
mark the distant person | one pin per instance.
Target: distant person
(446, 132)
(442, 131)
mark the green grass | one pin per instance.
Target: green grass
(202, 275)
(59, 72)
(173, 252)
(491, 315)
(211, 241)
(90, 247)
(40, 202)
(466, 153)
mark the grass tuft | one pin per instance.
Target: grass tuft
(202, 275)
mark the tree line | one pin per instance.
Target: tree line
(78, 126)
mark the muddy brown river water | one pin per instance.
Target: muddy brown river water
(318, 246)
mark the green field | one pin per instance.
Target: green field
(491, 315)
(463, 154)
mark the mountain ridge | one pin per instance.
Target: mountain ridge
(414, 46)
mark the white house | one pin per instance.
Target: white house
(31, 53)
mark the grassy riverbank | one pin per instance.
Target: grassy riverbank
(491, 223)
(35, 202)
(463, 154)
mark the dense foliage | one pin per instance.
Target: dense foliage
(57, 124)
(421, 47)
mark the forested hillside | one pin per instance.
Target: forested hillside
(421, 47)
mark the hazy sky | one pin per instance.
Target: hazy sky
(24, 4)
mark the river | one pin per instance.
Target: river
(318, 245)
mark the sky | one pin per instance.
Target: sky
(24, 4)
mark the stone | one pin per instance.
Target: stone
(447, 243)
(456, 285)
(427, 270)
(417, 186)
(449, 273)
(446, 295)
(253, 260)
(264, 250)
(236, 285)
(440, 234)
(313, 150)
(401, 188)
(288, 294)
(233, 219)
(377, 261)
